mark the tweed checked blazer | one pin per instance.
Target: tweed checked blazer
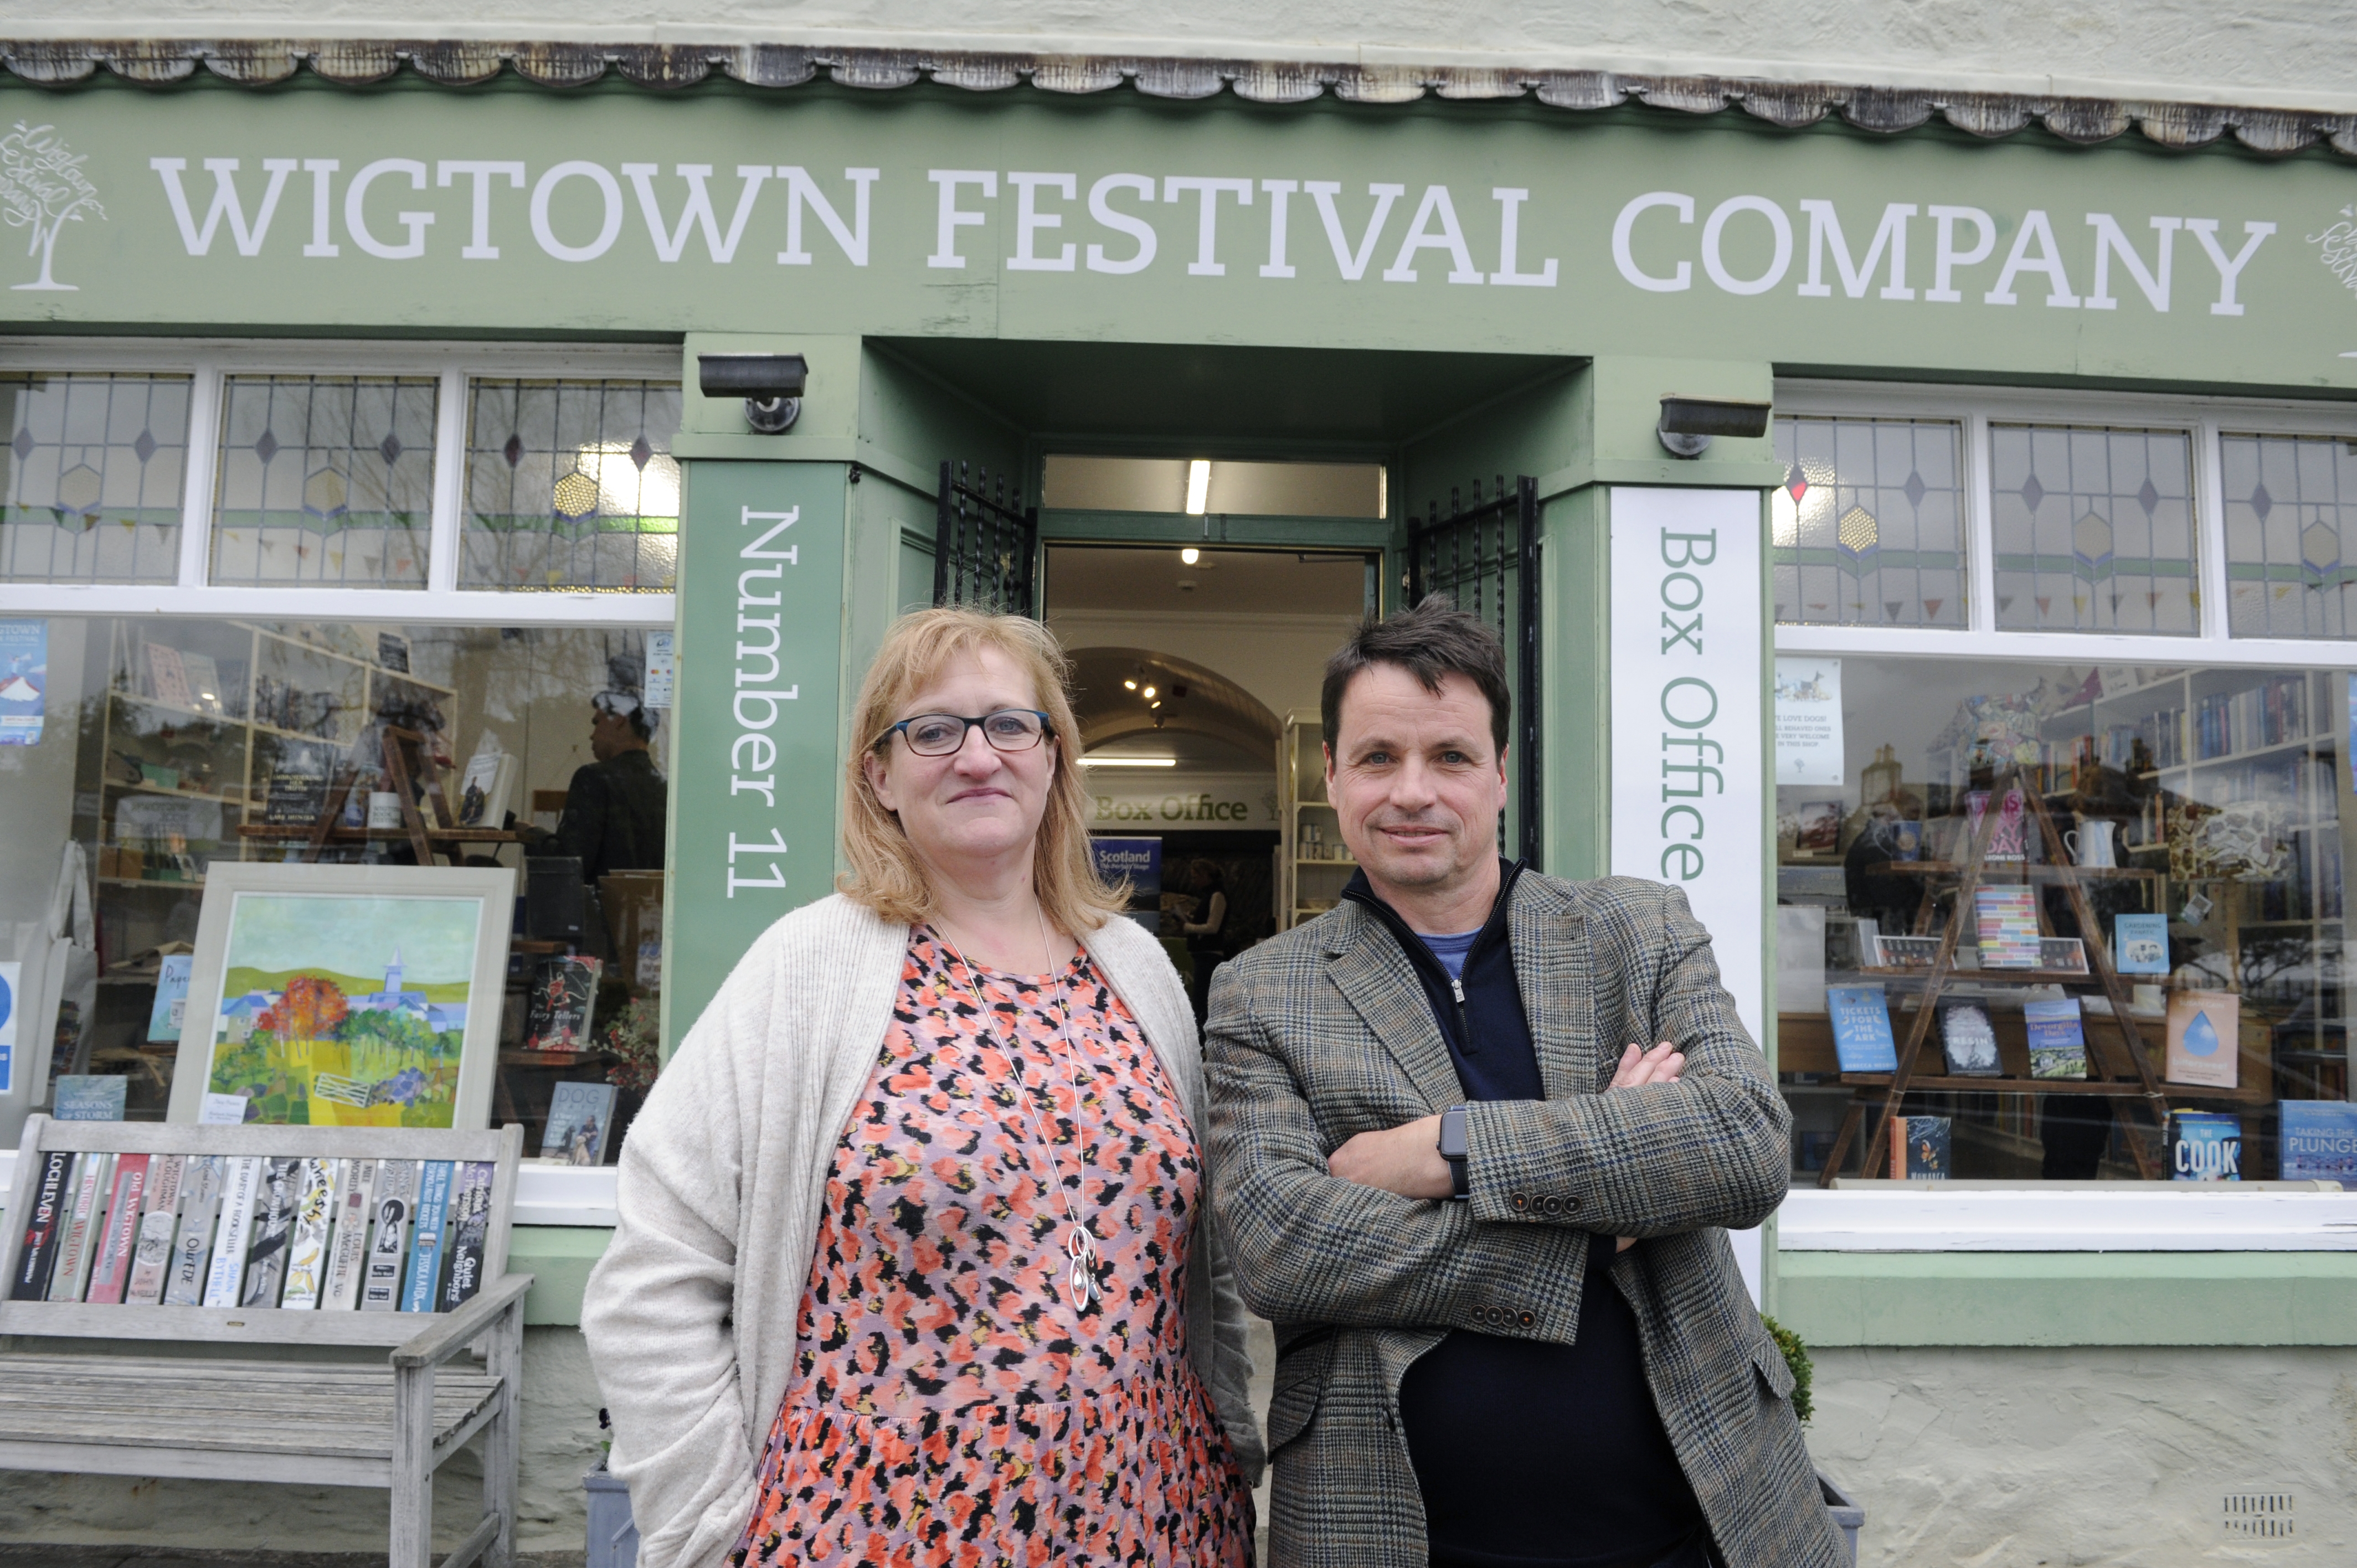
(1324, 1032)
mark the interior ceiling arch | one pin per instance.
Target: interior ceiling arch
(1195, 701)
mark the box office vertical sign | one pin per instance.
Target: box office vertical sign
(1686, 714)
(756, 703)
(1687, 729)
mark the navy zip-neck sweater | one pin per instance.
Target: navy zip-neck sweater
(1530, 1454)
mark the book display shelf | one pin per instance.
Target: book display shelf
(2258, 749)
(1877, 1097)
(1312, 861)
(229, 740)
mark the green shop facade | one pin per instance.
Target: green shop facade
(2046, 536)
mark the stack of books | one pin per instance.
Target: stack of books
(2007, 918)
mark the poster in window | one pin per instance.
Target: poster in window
(663, 669)
(9, 973)
(1808, 721)
(24, 679)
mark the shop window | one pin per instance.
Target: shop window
(168, 747)
(1870, 524)
(571, 484)
(2290, 501)
(2200, 828)
(2093, 529)
(95, 465)
(324, 480)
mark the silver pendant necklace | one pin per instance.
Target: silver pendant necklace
(1082, 1283)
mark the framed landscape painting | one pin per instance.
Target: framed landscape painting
(345, 995)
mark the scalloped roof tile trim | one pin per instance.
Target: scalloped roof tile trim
(464, 63)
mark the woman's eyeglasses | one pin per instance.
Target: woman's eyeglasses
(938, 735)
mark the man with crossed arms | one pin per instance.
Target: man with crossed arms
(1510, 1331)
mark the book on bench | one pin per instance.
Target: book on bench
(75, 1253)
(426, 1253)
(240, 1188)
(151, 1255)
(306, 1247)
(470, 1229)
(44, 1224)
(348, 1254)
(273, 1225)
(121, 1229)
(192, 1244)
(396, 1193)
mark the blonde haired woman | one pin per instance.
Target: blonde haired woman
(916, 1264)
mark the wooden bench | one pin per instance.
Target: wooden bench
(224, 1407)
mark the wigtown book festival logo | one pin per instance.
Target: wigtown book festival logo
(43, 188)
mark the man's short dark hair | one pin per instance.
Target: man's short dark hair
(1434, 640)
(630, 706)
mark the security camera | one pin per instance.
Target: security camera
(770, 385)
(1689, 423)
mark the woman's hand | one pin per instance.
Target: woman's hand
(1661, 1065)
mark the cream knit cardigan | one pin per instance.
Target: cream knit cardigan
(691, 1315)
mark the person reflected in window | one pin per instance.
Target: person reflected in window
(615, 806)
(1206, 937)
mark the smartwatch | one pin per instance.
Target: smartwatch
(1452, 1149)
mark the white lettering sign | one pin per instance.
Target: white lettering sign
(1685, 738)
(753, 754)
(1053, 222)
(1687, 678)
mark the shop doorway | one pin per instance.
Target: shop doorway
(1229, 514)
(1196, 674)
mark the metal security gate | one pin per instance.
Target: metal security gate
(985, 543)
(1485, 556)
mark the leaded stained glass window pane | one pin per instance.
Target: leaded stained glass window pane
(325, 479)
(2291, 502)
(94, 469)
(1869, 523)
(2093, 529)
(571, 484)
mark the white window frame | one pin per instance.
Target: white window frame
(2041, 1217)
(209, 361)
(1976, 409)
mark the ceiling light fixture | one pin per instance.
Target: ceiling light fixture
(1190, 555)
(1131, 684)
(1148, 693)
(1198, 486)
(1129, 762)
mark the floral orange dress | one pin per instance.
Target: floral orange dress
(949, 1404)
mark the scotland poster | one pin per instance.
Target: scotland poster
(344, 1011)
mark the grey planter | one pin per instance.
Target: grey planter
(1848, 1514)
(614, 1535)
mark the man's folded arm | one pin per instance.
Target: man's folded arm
(1712, 1149)
(1311, 1248)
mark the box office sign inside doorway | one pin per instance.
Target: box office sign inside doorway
(1686, 719)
